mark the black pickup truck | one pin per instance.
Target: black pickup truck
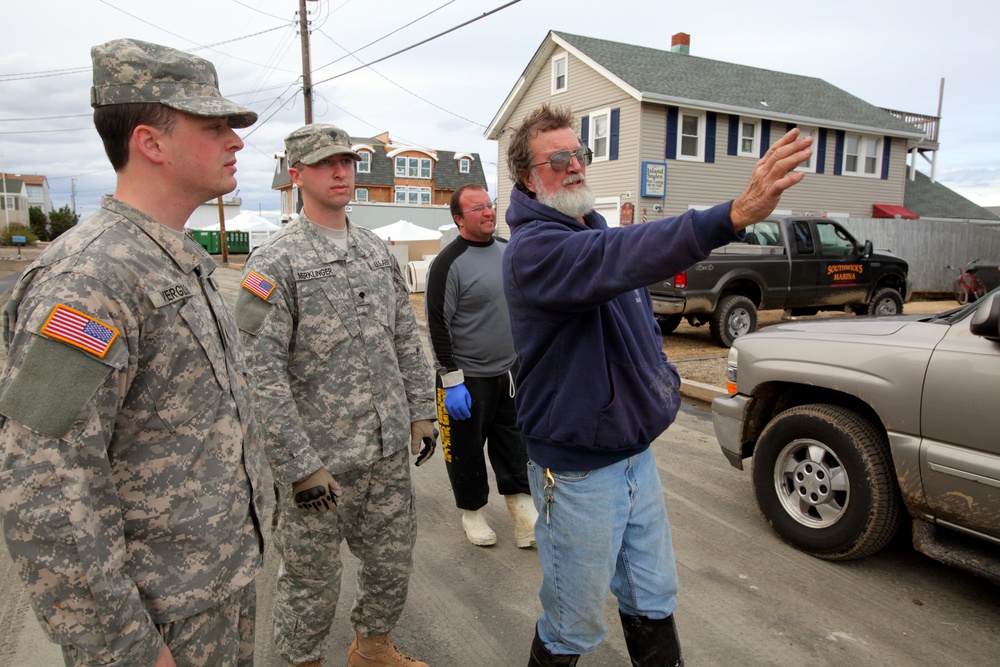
(803, 265)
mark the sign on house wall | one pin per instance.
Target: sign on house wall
(654, 179)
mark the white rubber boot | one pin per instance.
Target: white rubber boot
(522, 511)
(476, 528)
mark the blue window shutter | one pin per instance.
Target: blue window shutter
(819, 151)
(710, 122)
(765, 136)
(734, 134)
(838, 154)
(886, 150)
(584, 129)
(613, 135)
(673, 114)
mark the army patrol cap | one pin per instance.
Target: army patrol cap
(311, 143)
(127, 71)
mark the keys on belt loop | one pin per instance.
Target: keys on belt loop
(550, 483)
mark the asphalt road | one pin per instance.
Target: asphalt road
(746, 598)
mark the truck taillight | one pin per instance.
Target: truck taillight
(681, 280)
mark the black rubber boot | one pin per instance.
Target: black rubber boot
(540, 656)
(652, 642)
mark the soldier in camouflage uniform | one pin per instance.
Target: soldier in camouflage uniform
(131, 462)
(342, 387)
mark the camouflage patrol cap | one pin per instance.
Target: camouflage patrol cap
(311, 143)
(129, 70)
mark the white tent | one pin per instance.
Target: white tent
(403, 231)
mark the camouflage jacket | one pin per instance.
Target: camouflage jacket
(334, 349)
(131, 463)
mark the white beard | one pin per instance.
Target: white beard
(574, 203)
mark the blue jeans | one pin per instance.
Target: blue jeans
(606, 529)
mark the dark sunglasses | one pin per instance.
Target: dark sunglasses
(563, 159)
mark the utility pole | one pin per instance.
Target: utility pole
(72, 182)
(307, 92)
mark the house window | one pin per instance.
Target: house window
(691, 136)
(11, 202)
(749, 139)
(361, 194)
(862, 155)
(413, 196)
(413, 167)
(463, 166)
(365, 163)
(559, 65)
(810, 164)
(597, 140)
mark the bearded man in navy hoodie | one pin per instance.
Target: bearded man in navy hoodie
(595, 389)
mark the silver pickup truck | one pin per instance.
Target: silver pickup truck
(854, 425)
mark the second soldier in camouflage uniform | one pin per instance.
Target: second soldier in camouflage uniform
(130, 458)
(342, 387)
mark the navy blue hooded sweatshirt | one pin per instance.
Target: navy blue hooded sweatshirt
(594, 386)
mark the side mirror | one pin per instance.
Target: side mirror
(985, 321)
(867, 250)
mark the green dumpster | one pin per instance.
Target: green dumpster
(209, 240)
(238, 243)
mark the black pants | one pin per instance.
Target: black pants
(493, 423)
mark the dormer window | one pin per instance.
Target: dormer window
(463, 165)
(365, 163)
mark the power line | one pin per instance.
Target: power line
(420, 43)
(407, 90)
(403, 27)
(76, 115)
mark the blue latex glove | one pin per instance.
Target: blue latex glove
(458, 402)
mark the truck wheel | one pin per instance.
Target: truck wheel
(886, 301)
(668, 323)
(733, 317)
(823, 478)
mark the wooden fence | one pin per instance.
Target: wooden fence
(929, 245)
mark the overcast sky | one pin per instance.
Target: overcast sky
(444, 93)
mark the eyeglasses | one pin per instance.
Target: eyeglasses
(563, 159)
(479, 209)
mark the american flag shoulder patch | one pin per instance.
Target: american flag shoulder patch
(258, 284)
(79, 330)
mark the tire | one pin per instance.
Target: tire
(668, 323)
(823, 478)
(978, 288)
(961, 292)
(886, 301)
(735, 316)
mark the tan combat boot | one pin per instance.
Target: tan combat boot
(378, 651)
(522, 511)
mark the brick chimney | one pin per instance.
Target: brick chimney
(681, 43)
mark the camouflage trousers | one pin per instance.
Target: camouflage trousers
(376, 517)
(221, 636)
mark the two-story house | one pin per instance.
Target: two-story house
(396, 173)
(671, 131)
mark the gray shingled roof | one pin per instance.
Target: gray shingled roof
(675, 75)
(933, 200)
